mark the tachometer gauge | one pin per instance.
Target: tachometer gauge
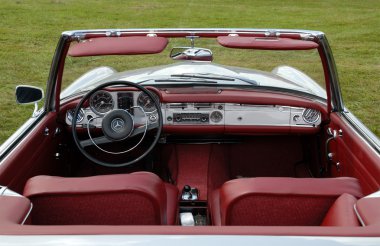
(146, 102)
(101, 102)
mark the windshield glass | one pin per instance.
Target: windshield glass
(300, 70)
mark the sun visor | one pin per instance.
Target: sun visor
(136, 45)
(265, 43)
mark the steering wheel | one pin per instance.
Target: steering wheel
(117, 125)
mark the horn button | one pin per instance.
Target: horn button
(117, 124)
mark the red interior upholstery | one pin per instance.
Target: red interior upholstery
(357, 158)
(342, 212)
(119, 46)
(278, 201)
(139, 198)
(259, 43)
(13, 209)
(368, 209)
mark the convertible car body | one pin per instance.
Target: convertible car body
(190, 136)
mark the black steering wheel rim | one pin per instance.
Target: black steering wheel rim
(88, 95)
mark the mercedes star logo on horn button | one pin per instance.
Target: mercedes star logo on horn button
(117, 124)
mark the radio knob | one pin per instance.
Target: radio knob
(203, 118)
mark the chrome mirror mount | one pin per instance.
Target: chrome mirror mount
(191, 54)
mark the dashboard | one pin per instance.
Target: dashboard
(196, 114)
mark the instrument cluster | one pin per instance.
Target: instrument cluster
(102, 102)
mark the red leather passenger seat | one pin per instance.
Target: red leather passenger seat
(286, 202)
(139, 198)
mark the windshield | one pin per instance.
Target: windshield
(299, 71)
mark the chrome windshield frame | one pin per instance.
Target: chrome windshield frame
(333, 88)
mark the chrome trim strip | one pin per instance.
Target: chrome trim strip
(358, 216)
(191, 31)
(28, 213)
(375, 194)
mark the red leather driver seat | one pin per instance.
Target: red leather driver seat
(286, 202)
(140, 198)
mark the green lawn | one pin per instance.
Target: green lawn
(29, 31)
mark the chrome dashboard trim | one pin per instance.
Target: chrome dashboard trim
(235, 114)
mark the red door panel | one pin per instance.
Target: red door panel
(34, 155)
(356, 157)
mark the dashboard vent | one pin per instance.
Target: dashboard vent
(177, 105)
(310, 115)
(202, 105)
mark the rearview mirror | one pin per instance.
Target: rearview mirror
(191, 53)
(26, 94)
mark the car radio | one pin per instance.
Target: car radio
(191, 118)
(194, 114)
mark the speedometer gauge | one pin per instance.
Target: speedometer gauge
(101, 102)
(146, 102)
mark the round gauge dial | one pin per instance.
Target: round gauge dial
(101, 102)
(146, 102)
(70, 114)
(310, 115)
(216, 116)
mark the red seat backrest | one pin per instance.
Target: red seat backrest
(125, 199)
(279, 201)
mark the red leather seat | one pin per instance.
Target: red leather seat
(284, 201)
(139, 198)
(342, 212)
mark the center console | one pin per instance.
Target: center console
(192, 212)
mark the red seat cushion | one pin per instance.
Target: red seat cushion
(139, 198)
(342, 212)
(278, 201)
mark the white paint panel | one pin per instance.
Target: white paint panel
(185, 240)
(257, 115)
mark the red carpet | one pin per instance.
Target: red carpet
(193, 167)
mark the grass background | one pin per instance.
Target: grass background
(29, 31)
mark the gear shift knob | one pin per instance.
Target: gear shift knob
(186, 188)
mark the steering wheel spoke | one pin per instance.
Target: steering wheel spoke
(98, 141)
(141, 129)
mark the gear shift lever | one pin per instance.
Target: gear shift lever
(189, 193)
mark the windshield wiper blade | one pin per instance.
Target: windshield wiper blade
(186, 81)
(216, 76)
(201, 77)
